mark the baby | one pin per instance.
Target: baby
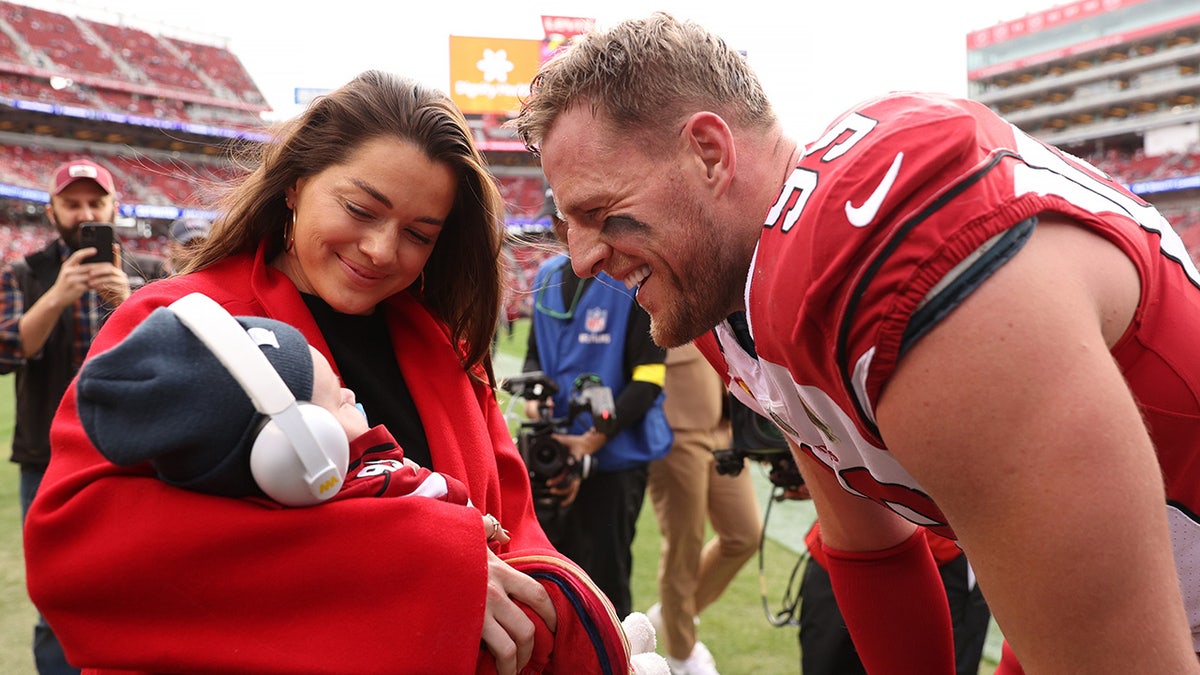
(162, 396)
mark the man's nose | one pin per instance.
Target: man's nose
(588, 253)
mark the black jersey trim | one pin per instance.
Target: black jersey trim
(1182, 508)
(937, 307)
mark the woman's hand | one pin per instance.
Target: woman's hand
(491, 525)
(507, 631)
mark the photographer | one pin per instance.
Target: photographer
(52, 303)
(595, 326)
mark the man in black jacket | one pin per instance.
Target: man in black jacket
(52, 302)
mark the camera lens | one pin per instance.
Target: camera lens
(547, 458)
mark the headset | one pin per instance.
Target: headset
(299, 456)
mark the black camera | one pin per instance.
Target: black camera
(544, 457)
(757, 438)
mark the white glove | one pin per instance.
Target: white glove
(643, 660)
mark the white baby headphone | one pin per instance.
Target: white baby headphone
(300, 455)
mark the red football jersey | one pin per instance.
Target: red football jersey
(901, 209)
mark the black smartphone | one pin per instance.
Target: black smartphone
(99, 235)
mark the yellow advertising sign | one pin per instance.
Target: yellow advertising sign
(492, 75)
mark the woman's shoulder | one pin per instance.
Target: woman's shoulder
(226, 279)
(227, 282)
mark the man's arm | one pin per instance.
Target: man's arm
(532, 360)
(885, 580)
(12, 306)
(36, 323)
(1014, 416)
(645, 365)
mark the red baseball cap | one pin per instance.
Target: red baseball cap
(80, 169)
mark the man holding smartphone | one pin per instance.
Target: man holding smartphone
(52, 302)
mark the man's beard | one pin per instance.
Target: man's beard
(715, 278)
(70, 236)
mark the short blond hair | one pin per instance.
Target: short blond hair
(644, 76)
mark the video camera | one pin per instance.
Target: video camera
(757, 438)
(545, 457)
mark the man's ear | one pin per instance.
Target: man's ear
(710, 141)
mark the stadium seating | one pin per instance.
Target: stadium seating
(524, 196)
(8, 51)
(123, 54)
(150, 55)
(18, 241)
(59, 39)
(222, 65)
(116, 68)
(1137, 167)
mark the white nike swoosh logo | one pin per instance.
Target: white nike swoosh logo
(861, 216)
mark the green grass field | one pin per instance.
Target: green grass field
(735, 628)
(16, 613)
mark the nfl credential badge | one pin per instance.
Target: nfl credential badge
(595, 326)
(597, 319)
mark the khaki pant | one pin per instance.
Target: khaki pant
(686, 490)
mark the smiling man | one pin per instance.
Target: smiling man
(956, 326)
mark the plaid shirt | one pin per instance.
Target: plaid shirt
(86, 314)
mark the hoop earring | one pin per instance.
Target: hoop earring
(289, 234)
(421, 283)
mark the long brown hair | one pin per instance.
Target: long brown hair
(461, 280)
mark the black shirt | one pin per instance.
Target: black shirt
(362, 350)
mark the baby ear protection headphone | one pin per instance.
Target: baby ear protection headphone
(299, 456)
